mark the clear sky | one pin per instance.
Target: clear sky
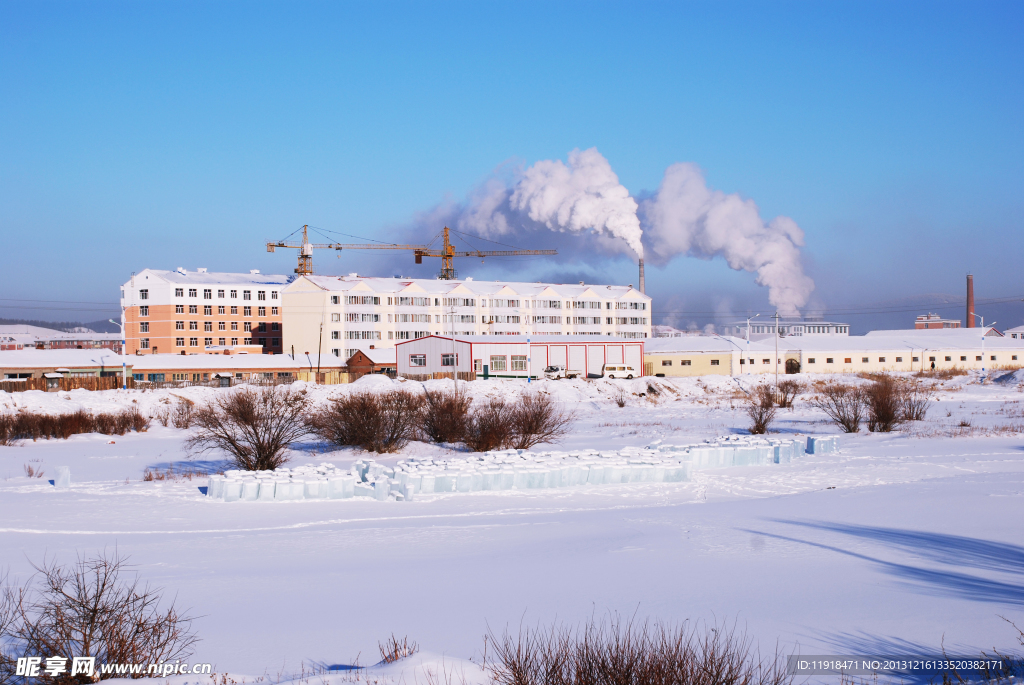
(159, 135)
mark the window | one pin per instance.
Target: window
(766, 361)
(155, 377)
(916, 359)
(335, 299)
(193, 342)
(275, 326)
(273, 296)
(964, 358)
(246, 311)
(361, 299)
(221, 341)
(273, 311)
(810, 360)
(275, 342)
(261, 294)
(144, 327)
(478, 365)
(899, 359)
(519, 362)
(864, 360)
(208, 310)
(144, 343)
(234, 294)
(193, 325)
(234, 324)
(335, 317)
(246, 294)
(668, 362)
(261, 311)
(992, 358)
(449, 359)
(179, 292)
(684, 362)
(220, 294)
(263, 326)
(193, 309)
(234, 341)
(144, 294)
(234, 310)
(207, 341)
(208, 326)
(179, 325)
(247, 341)
(220, 309)
(207, 294)
(179, 342)
(247, 326)
(931, 359)
(192, 292)
(1013, 358)
(417, 360)
(714, 362)
(498, 362)
(829, 360)
(847, 360)
(179, 309)
(881, 360)
(262, 341)
(949, 359)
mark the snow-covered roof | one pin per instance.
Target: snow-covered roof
(694, 343)
(36, 359)
(153, 362)
(901, 340)
(957, 335)
(24, 329)
(217, 277)
(382, 356)
(546, 339)
(472, 287)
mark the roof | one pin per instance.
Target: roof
(694, 343)
(154, 362)
(35, 333)
(900, 340)
(533, 339)
(965, 334)
(217, 277)
(433, 286)
(75, 359)
(382, 356)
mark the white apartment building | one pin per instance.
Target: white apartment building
(339, 315)
(764, 329)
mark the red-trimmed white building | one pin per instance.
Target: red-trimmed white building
(515, 356)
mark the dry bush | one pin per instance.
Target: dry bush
(491, 427)
(8, 621)
(97, 607)
(394, 649)
(254, 427)
(761, 409)
(445, 415)
(32, 473)
(29, 425)
(883, 400)
(536, 419)
(376, 422)
(620, 399)
(842, 403)
(629, 654)
(788, 391)
(183, 413)
(8, 435)
(915, 401)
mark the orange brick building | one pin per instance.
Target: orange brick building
(198, 312)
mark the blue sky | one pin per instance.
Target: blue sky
(158, 135)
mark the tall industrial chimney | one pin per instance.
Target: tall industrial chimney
(642, 276)
(970, 301)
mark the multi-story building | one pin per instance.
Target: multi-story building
(339, 315)
(933, 321)
(764, 329)
(198, 312)
(24, 337)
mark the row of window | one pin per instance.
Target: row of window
(221, 326)
(208, 310)
(499, 362)
(208, 294)
(471, 302)
(881, 360)
(687, 362)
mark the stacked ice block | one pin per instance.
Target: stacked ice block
(510, 470)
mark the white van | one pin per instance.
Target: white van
(619, 371)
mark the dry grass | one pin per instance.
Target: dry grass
(942, 374)
(26, 425)
(393, 649)
(32, 472)
(176, 475)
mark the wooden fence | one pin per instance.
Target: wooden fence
(72, 383)
(463, 376)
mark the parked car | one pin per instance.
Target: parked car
(556, 372)
(619, 371)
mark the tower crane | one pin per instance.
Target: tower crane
(446, 253)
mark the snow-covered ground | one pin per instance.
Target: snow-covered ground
(898, 543)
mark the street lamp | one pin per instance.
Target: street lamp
(748, 340)
(982, 338)
(124, 364)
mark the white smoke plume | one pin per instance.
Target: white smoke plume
(583, 195)
(687, 217)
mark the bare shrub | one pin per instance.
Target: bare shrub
(884, 401)
(394, 649)
(183, 413)
(620, 399)
(376, 422)
(8, 621)
(253, 426)
(788, 391)
(8, 435)
(30, 425)
(445, 415)
(32, 472)
(915, 401)
(491, 427)
(536, 419)
(97, 607)
(842, 403)
(761, 409)
(610, 652)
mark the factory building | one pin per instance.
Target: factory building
(201, 312)
(340, 315)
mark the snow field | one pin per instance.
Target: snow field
(510, 470)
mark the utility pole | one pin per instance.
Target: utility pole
(776, 317)
(748, 341)
(124, 363)
(983, 338)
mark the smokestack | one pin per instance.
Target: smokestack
(970, 301)
(642, 277)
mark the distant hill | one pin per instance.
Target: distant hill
(103, 326)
